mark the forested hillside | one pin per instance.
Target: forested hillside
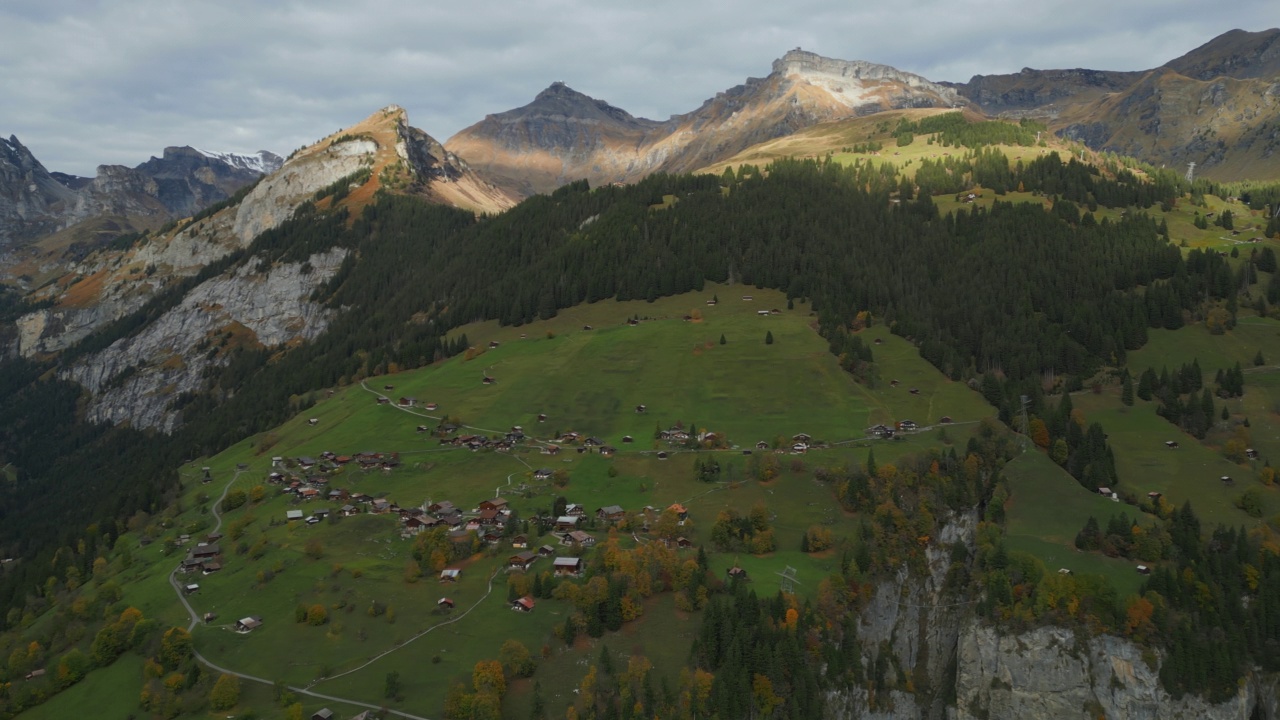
(1012, 288)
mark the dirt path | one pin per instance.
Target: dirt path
(385, 653)
(195, 620)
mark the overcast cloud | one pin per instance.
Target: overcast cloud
(84, 82)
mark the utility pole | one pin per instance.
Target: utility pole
(1191, 170)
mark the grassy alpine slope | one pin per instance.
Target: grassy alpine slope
(590, 381)
(735, 368)
(584, 380)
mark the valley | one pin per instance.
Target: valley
(859, 401)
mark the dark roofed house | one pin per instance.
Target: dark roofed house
(522, 560)
(494, 504)
(244, 625)
(206, 551)
(567, 566)
(445, 603)
(547, 550)
(611, 513)
(322, 714)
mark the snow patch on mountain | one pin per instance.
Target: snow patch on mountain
(261, 162)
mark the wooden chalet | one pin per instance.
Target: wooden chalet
(206, 551)
(522, 560)
(524, 604)
(611, 513)
(567, 566)
(579, 538)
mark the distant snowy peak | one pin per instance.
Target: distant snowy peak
(263, 162)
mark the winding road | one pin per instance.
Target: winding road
(195, 620)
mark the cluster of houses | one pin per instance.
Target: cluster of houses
(488, 521)
(447, 434)
(205, 557)
(307, 478)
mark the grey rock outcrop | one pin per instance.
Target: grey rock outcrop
(274, 199)
(135, 380)
(30, 197)
(35, 202)
(960, 668)
(1050, 673)
(918, 621)
(858, 83)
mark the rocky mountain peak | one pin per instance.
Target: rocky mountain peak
(1236, 53)
(837, 74)
(29, 195)
(560, 102)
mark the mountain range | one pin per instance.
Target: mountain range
(1216, 106)
(35, 202)
(564, 135)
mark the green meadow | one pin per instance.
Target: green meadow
(585, 380)
(590, 381)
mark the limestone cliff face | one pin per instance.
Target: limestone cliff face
(1050, 673)
(918, 621)
(275, 198)
(114, 284)
(960, 668)
(135, 380)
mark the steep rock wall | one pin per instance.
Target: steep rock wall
(135, 380)
(1051, 673)
(275, 198)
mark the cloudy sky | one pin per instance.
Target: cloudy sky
(86, 82)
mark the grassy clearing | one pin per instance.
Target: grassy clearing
(112, 691)
(1174, 348)
(1190, 473)
(1047, 507)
